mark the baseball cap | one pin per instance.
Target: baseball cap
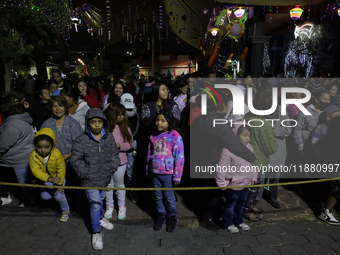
(127, 100)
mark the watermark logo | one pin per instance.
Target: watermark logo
(238, 99)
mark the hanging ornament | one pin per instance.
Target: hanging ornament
(295, 13)
(235, 29)
(229, 12)
(338, 12)
(228, 60)
(205, 11)
(213, 56)
(239, 13)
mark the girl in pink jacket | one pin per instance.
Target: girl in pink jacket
(164, 164)
(236, 171)
(118, 126)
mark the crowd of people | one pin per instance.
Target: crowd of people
(130, 132)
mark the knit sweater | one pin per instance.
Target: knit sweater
(166, 154)
(68, 132)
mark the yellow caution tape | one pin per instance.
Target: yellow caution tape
(153, 189)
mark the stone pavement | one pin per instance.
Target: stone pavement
(290, 230)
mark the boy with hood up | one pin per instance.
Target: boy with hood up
(48, 165)
(95, 157)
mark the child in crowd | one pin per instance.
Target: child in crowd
(118, 126)
(236, 198)
(182, 97)
(48, 165)
(164, 164)
(95, 158)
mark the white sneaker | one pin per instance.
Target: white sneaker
(97, 241)
(106, 224)
(327, 216)
(243, 226)
(121, 212)
(108, 212)
(232, 229)
(6, 200)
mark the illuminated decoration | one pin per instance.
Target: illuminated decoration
(235, 29)
(56, 12)
(295, 13)
(214, 31)
(229, 12)
(338, 12)
(234, 67)
(205, 11)
(266, 60)
(239, 13)
(306, 29)
(298, 60)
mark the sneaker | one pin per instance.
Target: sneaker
(327, 216)
(243, 226)
(160, 220)
(232, 229)
(210, 225)
(64, 216)
(106, 224)
(97, 241)
(121, 212)
(6, 200)
(172, 224)
(108, 212)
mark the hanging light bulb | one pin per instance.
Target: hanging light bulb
(239, 12)
(338, 12)
(296, 13)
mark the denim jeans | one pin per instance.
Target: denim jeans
(129, 165)
(168, 196)
(23, 175)
(95, 198)
(233, 209)
(117, 181)
(47, 194)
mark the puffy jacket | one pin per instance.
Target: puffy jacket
(55, 165)
(16, 141)
(306, 124)
(262, 140)
(237, 176)
(95, 161)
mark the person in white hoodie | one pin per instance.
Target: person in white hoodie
(77, 108)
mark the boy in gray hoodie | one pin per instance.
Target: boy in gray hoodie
(95, 158)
